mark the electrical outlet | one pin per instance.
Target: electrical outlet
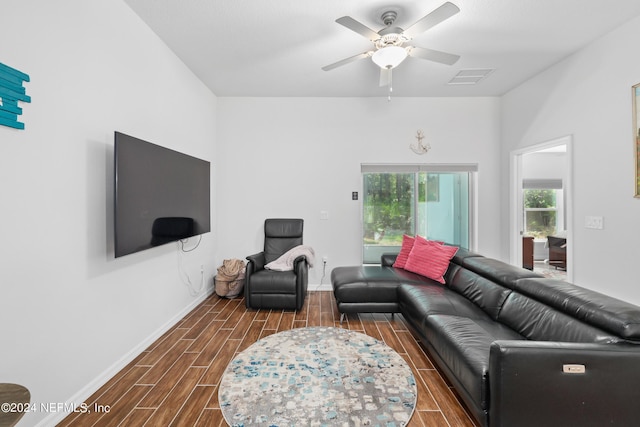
(325, 259)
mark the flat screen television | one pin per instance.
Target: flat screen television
(161, 195)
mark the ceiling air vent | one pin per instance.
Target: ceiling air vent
(470, 76)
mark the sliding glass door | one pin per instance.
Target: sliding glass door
(433, 201)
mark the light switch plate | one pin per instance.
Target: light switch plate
(594, 222)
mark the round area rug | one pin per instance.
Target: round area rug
(318, 377)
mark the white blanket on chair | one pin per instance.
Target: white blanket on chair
(285, 262)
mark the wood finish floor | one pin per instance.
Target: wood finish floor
(175, 381)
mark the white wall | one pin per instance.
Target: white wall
(69, 311)
(295, 157)
(588, 95)
(544, 165)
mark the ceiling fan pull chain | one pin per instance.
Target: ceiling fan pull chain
(390, 84)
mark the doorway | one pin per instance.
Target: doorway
(541, 208)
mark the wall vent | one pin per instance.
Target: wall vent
(470, 76)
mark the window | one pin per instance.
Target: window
(542, 212)
(543, 207)
(430, 200)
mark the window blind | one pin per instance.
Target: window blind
(417, 167)
(542, 184)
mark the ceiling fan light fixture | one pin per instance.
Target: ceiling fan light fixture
(389, 56)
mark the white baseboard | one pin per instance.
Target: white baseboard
(318, 287)
(93, 386)
(82, 395)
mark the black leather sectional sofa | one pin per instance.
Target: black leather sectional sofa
(521, 350)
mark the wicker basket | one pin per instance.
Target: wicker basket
(228, 288)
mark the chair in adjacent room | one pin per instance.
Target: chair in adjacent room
(557, 251)
(272, 289)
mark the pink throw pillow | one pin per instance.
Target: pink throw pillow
(430, 259)
(405, 250)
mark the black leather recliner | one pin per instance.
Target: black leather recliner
(277, 289)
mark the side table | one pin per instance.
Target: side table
(14, 399)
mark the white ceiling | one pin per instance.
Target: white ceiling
(277, 47)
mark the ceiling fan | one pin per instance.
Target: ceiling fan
(389, 43)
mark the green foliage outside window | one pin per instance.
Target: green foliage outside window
(540, 213)
(388, 207)
(539, 199)
(389, 204)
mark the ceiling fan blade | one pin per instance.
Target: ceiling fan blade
(433, 55)
(385, 77)
(347, 61)
(358, 27)
(444, 12)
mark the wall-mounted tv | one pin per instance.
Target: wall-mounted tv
(161, 195)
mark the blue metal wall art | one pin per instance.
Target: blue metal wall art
(12, 91)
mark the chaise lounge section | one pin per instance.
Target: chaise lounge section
(520, 349)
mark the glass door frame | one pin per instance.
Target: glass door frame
(470, 168)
